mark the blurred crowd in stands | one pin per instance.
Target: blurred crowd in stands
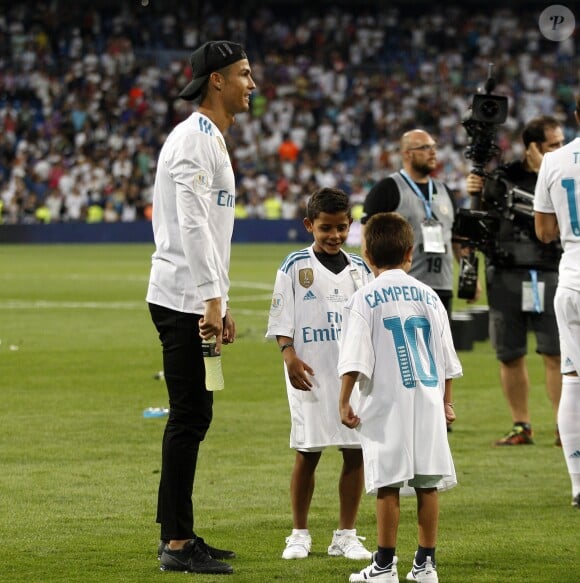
(87, 96)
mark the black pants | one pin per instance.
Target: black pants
(190, 414)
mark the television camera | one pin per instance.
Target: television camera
(487, 113)
(477, 228)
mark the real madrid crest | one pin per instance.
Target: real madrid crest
(306, 277)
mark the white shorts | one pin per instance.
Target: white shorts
(567, 307)
(419, 482)
(322, 448)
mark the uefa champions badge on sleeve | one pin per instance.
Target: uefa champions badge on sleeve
(277, 305)
(200, 182)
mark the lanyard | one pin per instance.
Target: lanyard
(535, 290)
(419, 193)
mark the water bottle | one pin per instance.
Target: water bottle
(214, 378)
(152, 412)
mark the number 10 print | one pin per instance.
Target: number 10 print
(407, 349)
(570, 187)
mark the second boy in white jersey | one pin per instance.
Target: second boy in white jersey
(397, 343)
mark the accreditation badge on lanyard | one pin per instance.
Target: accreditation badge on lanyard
(432, 232)
(431, 229)
(533, 292)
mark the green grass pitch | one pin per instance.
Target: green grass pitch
(80, 464)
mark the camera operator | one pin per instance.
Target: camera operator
(521, 278)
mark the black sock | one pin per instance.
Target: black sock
(423, 553)
(526, 426)
(384, 556)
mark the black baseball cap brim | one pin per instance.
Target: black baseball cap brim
(193, 89)
(209, 57)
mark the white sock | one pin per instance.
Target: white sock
(569, 426)
(302, 531)
(575, 478)
(342, 531)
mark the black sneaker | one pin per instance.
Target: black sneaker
(219, 554)
(192, 558)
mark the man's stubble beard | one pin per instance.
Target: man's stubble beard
(423, 169)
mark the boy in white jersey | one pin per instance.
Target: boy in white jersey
(557, 214)
(397, 343)
(311, 288)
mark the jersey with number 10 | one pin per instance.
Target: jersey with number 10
(558, 191)
(396, 335)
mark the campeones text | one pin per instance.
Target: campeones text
(405, 293)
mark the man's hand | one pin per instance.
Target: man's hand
(474, 184)
(212, 324)
(229, 333)
(534, 157)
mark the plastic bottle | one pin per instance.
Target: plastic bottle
(152, 412)
(214, 378)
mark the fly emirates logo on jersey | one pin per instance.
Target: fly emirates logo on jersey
(403, 293)
(225, 198)
(327, 334)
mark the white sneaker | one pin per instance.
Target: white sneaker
(377, 574)
(425, 573)
(347, 544)
(297, 546)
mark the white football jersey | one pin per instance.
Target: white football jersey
(558, 191)
(193, 218)
(396, 334)
(307, 305)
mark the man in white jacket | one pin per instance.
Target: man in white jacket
(193, 219)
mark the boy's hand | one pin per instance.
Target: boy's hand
(298, 372)
(449, 413)
(348, 417)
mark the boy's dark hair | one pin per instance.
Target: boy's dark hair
(535, 129)
(388, 236)
(327, 200)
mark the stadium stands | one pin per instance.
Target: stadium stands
(87, 95)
